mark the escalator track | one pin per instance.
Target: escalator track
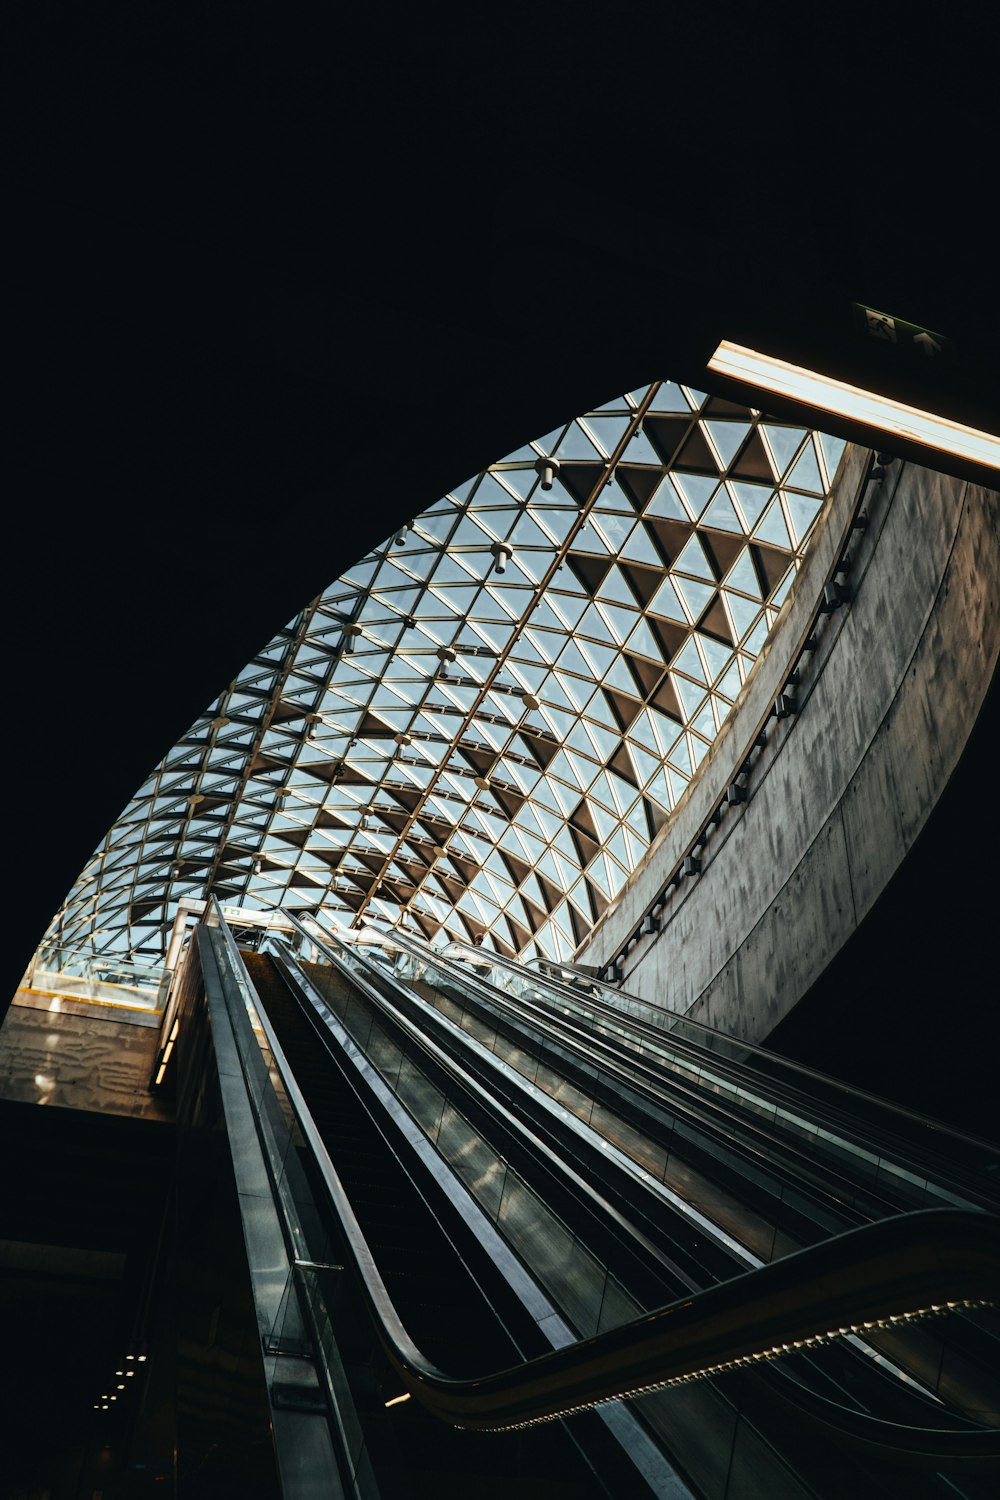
(441, 1302)
(550, 1368)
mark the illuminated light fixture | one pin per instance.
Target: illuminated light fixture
(395, 1400)
(142, 1359)
(159, 1079)
(855, 403)
(129, 1374)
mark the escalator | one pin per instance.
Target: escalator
(899, 1403)
(437, 1276)
(495, 1218)
(958, 1366)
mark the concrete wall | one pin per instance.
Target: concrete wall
(79, 1059)
(840, 791)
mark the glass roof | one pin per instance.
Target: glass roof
(482, 725)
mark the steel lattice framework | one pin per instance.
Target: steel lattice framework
(482, 725)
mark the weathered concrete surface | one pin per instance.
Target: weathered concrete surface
(839, 796)
(78, 1061)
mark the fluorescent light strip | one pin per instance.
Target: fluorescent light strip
(858, 405)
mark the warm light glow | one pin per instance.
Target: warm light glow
(159, 1079)
(859, 405)
(397, 1399)
(142, 1359)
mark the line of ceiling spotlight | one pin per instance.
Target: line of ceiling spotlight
(108, 1399)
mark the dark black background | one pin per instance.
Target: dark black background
(279, 276)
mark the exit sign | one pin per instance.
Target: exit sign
(889, 329)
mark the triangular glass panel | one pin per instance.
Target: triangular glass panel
(730, 684)
(697, 596)
(527, 534)
(641, 451)
(697, 490)
(639, 548)
(772, 528)
(665, 501)
(557, 522)
(704, 722)
(803, 511)
(688, 661)
(608, 430)
(667, 603)
(615, 589)
(599, 657)
(805, 475)
(727, 437)
(784, 443)
(576, 444)
(693, 560)
(642, 641)
(670, 397)
(722, 513)
(742, 613)
(689, 694)
(832, 449)
(618, 620)
(743, 576)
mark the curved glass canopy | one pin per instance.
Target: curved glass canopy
(481, 726)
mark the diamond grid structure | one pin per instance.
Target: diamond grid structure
(482, 725)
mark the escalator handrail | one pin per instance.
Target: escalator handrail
(938, 1128)
(916, 1442)
(878, 1137)
(910, 1266)
(970, 1446)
